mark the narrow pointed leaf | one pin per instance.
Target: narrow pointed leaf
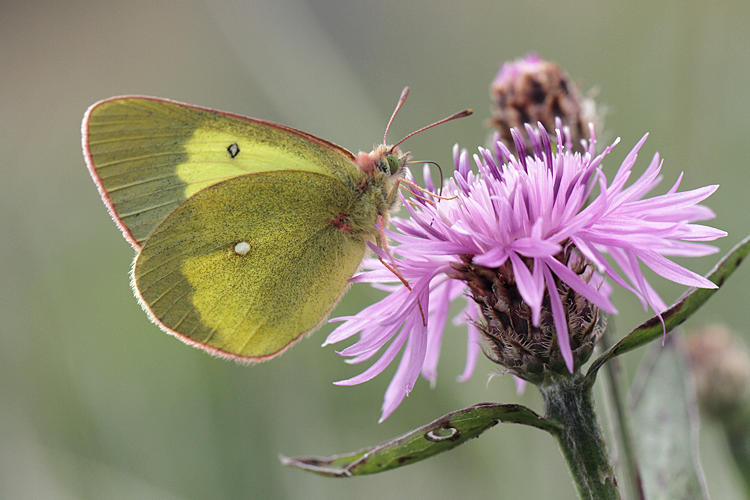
(689, 303)
(438, 436)
(666, 416)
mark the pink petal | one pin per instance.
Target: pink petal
(495, 257)
(674, 272)
(530, 287)
(473, 343)
(532, 247)
(520, 384)
(378, 366)
(406, 374)
(576, 283)
(560, 320)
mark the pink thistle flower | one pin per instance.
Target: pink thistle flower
(542, 217)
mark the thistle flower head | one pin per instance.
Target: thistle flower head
(531, 240)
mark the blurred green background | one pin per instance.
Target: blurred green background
(98, 403)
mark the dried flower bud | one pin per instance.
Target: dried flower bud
(531, 90)
(529, 351)
(721, 367)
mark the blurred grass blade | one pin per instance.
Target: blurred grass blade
(666, 416)
(679, 312)
(436, 437)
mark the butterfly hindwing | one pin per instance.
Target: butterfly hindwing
(245, 267)
(147, 155)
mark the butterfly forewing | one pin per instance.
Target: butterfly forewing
(247, 266)
(148, 155)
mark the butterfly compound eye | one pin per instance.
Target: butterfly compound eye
(394, 164)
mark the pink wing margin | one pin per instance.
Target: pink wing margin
(245, 360)
(103, 192)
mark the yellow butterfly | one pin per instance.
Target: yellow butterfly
(246, 231)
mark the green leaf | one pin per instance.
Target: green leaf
(689, 303)
(438, 436)
(666, 416)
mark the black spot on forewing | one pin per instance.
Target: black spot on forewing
(233, 149)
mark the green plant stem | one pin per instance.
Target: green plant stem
(567, 400)
(621, 423)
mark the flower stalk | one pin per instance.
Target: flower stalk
(620, 420)
(568, 401)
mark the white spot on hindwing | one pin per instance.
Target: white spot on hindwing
(233, 149)
(242, 248)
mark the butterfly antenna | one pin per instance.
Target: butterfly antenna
(460, 114)
(401, 101)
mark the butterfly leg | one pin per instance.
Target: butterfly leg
(392, 267)
(414, 190)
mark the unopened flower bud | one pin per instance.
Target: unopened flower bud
(721, 367)
(531, 90)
